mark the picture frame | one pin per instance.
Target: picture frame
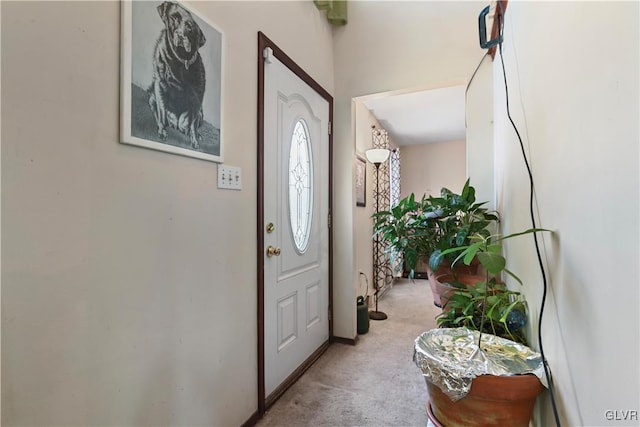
(361, 181)
(171, 86)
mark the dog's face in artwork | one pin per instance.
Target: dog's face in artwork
(183, 33)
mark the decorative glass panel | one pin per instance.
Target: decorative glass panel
(300, 185)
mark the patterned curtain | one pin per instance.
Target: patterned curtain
(394, 177)
(394, 197)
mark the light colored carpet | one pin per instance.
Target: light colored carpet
(374, 383)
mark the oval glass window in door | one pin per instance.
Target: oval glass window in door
(300, 186)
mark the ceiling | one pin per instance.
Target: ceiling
(421, 117)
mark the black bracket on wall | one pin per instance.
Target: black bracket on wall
(482, 29)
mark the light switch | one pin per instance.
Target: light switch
(229, 177)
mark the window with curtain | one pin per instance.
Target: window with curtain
(394, 178)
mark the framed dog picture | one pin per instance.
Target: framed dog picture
(361, 181)
(171, 95)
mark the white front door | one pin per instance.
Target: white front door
(296, 209)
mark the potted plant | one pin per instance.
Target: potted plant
(485, 303)
(501, 375)
(409, 229)
(505, 310)
(461, 217)
(498, 388)
(417, 230)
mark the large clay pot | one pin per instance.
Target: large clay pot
(446, 269)
(492, 401)
(458, 269)
(445, 289)
(434, 285)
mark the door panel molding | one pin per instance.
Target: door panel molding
(263, 43)
(285, 274)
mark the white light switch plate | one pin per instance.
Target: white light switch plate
(229, 177)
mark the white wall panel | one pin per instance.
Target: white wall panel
(572, 72)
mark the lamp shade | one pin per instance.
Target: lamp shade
(377, 155)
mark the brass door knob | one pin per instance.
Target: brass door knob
(271, 251)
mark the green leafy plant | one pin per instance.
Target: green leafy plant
(423, 229)
(489, 306)
(409, 230)
(462, 218)
(505, 310)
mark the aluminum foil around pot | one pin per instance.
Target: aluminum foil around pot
(449, 358)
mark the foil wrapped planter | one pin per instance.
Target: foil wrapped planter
(495, 386)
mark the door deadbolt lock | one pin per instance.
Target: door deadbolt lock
(271, 251)
(270, 227)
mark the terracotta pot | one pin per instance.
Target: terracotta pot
(445, 289)
(446, 269)
(492, 401)
(434, 284)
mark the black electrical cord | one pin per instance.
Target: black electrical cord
(533, 222)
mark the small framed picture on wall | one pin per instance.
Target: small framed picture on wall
(361, 181)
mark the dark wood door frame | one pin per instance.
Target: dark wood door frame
(264, 42)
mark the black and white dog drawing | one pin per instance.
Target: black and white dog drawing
(177, 88)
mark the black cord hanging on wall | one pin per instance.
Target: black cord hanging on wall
(487, 44)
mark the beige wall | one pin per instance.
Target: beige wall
(479, 143)
(128, 278)
(426, 168)
(362, 215)
(572, 70)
